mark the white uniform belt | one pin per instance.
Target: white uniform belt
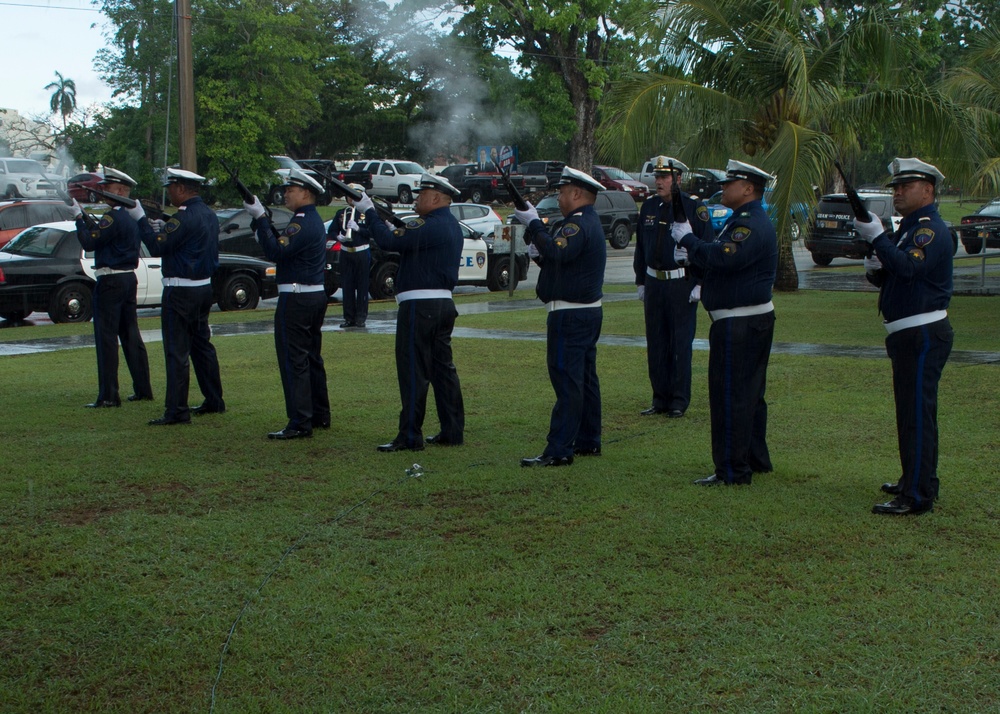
(924, 318)
(665, 274)
(354, 249)
(423, 295)
(185, 282)
(744, 311)
(565, 305)
(299, 288)
(110, 271)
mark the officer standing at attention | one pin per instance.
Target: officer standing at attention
(300, 254)
(349, 227)
(115, 243)
(189, 246)
(670, 298)
(572, 260)
(739, 270)
(913, 268)
(430, 248)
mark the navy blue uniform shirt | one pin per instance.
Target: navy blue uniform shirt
(430, 248)
(300, 250)
(572, 259)
(188, 243)
(360, 236)
(916, 274)
(115, 242)
(654, 248)
(740, 265)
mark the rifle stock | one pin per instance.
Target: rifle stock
(241, 188)
(68, 200)
(515, 195)
(675, 195)
(345, 190)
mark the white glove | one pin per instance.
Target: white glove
(77, 209)
(254, 209)
(364, 204)
(679, 230)
(136, 211)
(872, 264)
(353, 225)
(640, 290)
(695, 295)
(390, 225)
(526, 216)
(871, 230)
(157, 225)
(533, 251)
(681, 255)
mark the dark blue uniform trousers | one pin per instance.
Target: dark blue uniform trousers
(572, 360)
(423, 359)
(918, 356)
(354, 270)
(670, 325)
(298, 342)
(186, 334)
(115, 319)
(739, 350)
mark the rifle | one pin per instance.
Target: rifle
(857, 205)
(384, 212)
(241, 188)
(88, 219)
(678, 205)
(515, 195)
(123, 200)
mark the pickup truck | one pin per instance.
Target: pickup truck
(476, 186)
(541, 175)
(391, 180)
(362, 178)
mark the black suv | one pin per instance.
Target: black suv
(980, 235)
(831, 233)
(617, 210)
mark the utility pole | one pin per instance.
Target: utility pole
(185, 67)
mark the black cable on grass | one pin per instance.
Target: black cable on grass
(415, 471)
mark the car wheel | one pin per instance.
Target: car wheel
(12, 192)
(384, 281)
(405, 195)
(795, 230)
(954, 242)
(476, 195)
(239, 292)
(500, 274)
(276, 196)
(973, 245)
(71, 302)
(620, 236)
(13, 315)
(822, 259)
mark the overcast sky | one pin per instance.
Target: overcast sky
(42, 37)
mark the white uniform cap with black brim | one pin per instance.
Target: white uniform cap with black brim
(303, 179)
(573, 177)
(183, 176)
(661, 165)
(906, 170)
(739, 171)
(116, 176)
(437, 183)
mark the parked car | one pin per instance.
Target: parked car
(475, 186)
(44, 269)
(26, 178)
(328, 167)
(703, 182)
(617, 180)
(15, 216)
(980, 236)
(477, 216)
(719, 214)
(618, 213)
(79, 187)
(275, 194)
(550, 170)
(236, 236)
(392, 180)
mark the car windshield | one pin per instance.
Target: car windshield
(992, 209)
(226, 213)
(285, 163)
(40, 241)
(408, 167)
(616, 174)
(548, 203)
(24, 166)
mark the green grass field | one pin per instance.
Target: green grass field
(321, 577)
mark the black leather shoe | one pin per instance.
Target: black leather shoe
(345, 325)
(287, 433)
(675, 413)
(137, 398)
(359, 324)
(895, 507)
(439, 440)
(398, 446)
(321, 424)
(544, 460)
(893, 489)
(164, 421)
(592, 451)
(651, 411)
(712, 480)
(203, 410)
(102, 404)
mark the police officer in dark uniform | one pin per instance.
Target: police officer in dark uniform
(739, 269)
(300, 254)
(115, 243)
(572, 258)
(189, 246)
(669, 295)
(349, 227)
(913, 268)
(430, 248)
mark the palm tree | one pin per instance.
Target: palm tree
(63, 99)
(767, 82)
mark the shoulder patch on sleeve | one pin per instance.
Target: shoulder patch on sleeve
(414, 223)
(292, 228)
(740, 233)
(569, 230)
(106, 220)
(923, 237)
(702, 212)
(172, 225)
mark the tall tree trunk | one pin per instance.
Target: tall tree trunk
(787, 277)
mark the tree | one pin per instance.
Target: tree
(755, 79)
(63, 99)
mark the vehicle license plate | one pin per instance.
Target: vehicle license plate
(827, 224)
